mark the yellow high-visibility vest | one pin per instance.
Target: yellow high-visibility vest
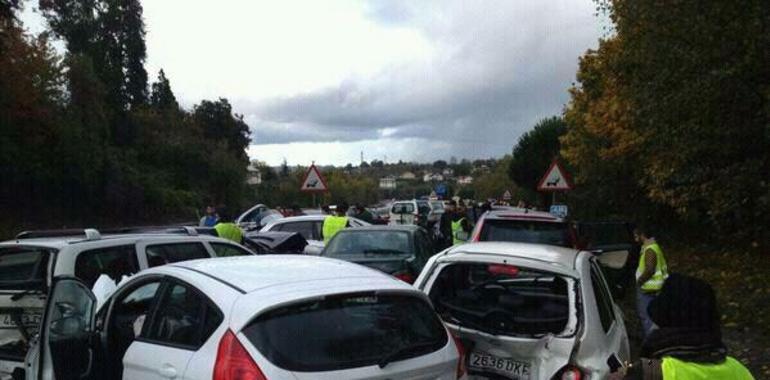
(457, 229)
(675, 369)
(332, 225)
(655, 283)
(229, 231)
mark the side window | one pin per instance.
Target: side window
(319, 230)
(115, 262)
(303, 228)
(224, 250)
(161, 254)
(184, 318)
(603, 298)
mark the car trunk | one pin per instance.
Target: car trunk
(515, 322)
(367, 335)
(23, 272)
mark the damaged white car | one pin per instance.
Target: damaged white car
(30, 262)
(526, 311)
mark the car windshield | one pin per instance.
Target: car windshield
(526, 231)
(502, 299)
(347, 331)
(20, 266)
(375, 242)
(437, 206)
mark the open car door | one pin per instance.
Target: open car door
(66, 348)
(617, 252)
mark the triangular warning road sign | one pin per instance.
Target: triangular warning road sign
(555, 179)
(313, 180)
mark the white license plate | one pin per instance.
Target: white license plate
(512, 368)
(27, 319)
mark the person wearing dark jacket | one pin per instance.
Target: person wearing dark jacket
(687, 343)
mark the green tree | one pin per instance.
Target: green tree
(161, 96)
(535, 151)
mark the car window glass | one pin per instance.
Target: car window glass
(424, 242)
(502, 299)
(115, 262)
(355, 241)
(303, 228)
(318, 229)
(181, 318)
(22, 264)
(603, 299)
(161, 254)
(225, 250)
(403, 208)
(524, 231)
(346, 331)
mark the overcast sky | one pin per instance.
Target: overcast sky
(398, 80)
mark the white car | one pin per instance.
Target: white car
(261, 317)
(310, 227)
(414, 212)
(29, 264)
(527, 311)
(257, 217)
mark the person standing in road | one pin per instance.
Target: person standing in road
(364, 214)
(226, 229)
(210, 218)
(651, 273)
(335, 223)
(444, 237)
(461, 227)
(688, 342)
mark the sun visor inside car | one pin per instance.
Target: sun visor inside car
(275, 242)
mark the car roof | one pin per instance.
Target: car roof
(64, 241)
(374, 227)
(514, 213)
(306, 218)
(561, 257)
(248, 274)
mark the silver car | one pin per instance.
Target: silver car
(527, 311)
(310, 227)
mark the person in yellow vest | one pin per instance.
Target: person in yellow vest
(651, 273)
(226, 229)
(335, 223)
(687, 345)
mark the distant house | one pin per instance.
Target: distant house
(253, 175)
(431, 177)
(448, 172)
(388, 183)
(408, 176)
(465, 180)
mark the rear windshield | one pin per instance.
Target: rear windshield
(437, 206)
(376, 242)
(525, 231)
(502, 299)
(403, 208)
(21, 267)
(347, 331)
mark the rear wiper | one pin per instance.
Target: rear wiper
(387, 359)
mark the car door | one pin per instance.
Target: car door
(182, 321)
(613, 243)
(605, 340)
(66, 350)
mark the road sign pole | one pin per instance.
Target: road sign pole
(313, 200)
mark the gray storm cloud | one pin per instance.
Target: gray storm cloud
(498, 67)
